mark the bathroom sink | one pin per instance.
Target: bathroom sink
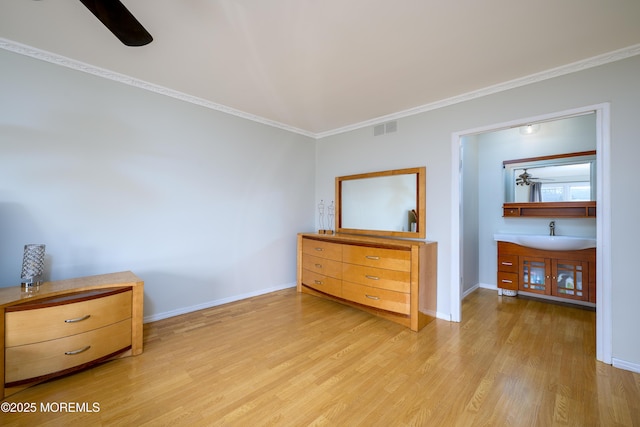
(549, 243)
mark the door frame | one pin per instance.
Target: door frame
(603, 217)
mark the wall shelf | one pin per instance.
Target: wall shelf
(550, 209)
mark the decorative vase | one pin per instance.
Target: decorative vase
(32, 264)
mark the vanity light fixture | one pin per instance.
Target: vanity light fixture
(529, 129)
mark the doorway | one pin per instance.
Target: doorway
(602, 222)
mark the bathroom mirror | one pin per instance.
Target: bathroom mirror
(386, 203)
(563, 180)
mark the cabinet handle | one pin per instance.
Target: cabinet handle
(506, 263)
(372, 297)
(318, 265)
(372, 277)
(78, 319)
(507, 281)
(318, 282)
(81, 350)
(372, 257)
(319, 249)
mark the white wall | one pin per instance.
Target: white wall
(202, 205)
(425, 139)
(470, 214)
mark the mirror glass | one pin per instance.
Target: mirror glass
(382, 203)
(562, 178)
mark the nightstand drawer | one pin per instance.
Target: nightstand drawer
(43, 324)
(35, 360)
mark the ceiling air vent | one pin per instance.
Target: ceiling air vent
(388, 127)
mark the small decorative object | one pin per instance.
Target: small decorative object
(413, 221)
(321, 217)
(330, 216)
(32, 265)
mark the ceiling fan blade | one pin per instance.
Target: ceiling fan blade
(117, 18)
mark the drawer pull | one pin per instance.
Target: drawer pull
(81, 350)
(78, 319)
(318, 265)
(507, 281)
(506, 263)
(372, 257)
(372, 277)
(318, 282)
(319, 249)
(372, 297)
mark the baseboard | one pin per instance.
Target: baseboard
(623, 364)
(209, 304)
(470, 290)
(478, 286)
(443, 316)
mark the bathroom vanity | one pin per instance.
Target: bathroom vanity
(555, 267)
(565, 274)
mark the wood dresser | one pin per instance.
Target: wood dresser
(391, 278)
(68, 325)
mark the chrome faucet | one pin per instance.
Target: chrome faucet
(552, 228)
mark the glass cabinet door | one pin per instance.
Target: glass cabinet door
(571, 279)
(534, 275)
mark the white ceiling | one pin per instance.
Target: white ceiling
(319, 66)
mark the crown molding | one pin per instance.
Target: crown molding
(595, 61)
(131, 81)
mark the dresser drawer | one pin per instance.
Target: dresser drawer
(394, 280)
(508, 280)
(375, 297)
(319, 282)
(326, 267)
(43, 358)
(322, 249)
(48, 323)
(390, 259)
(508, 263)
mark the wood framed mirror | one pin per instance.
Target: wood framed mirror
(562, 185)
(386, 203)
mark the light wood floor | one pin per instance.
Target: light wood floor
(290, 359)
